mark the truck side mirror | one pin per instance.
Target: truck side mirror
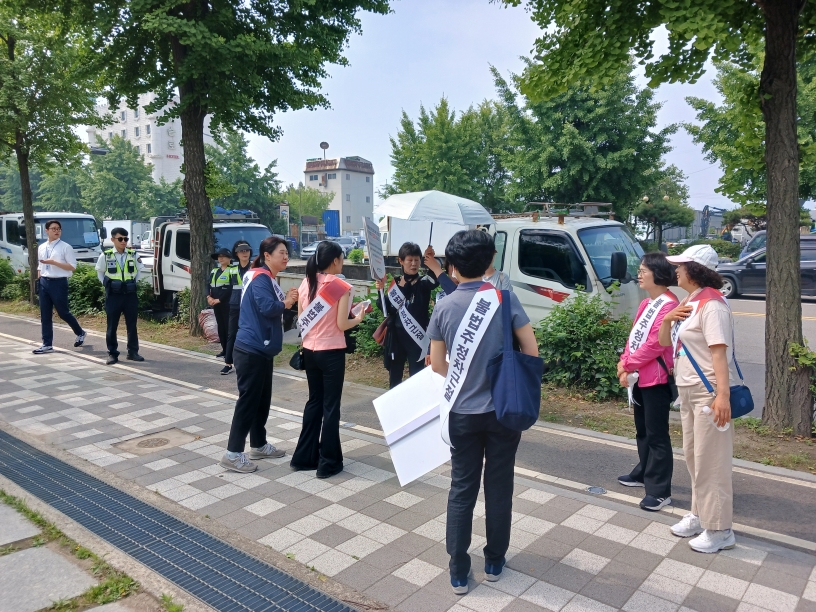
(617, 268)
(749, 263)
(103, 232)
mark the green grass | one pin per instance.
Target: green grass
(169, 605)
(113, 586)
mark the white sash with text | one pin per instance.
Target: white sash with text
(328, 295)
(409, 323)
(468, 336)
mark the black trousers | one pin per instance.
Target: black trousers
(221, 311)
(254, 374)
(651, 407)
(402, 349)
(54, 294)
(234, 315)
(116, 305)
(319, 443)
(478, 438)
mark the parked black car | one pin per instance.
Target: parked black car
(748, 274)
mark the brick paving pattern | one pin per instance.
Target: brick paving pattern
(568, 552)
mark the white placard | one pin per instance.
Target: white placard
(374, 246)
(409, 417)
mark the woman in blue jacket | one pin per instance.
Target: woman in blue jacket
(259, 339)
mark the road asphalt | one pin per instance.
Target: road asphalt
(760, 501)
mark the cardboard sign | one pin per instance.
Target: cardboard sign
(409, 417)
(374, 246)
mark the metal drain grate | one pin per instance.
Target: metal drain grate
(218, 574)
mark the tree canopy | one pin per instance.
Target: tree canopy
(665, 203)
(582, 145)
(585, 42)
(238, 62)
(732, 134)
(251, 188)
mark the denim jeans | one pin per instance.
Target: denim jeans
(478, 438)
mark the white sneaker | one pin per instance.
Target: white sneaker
(711, 541)
(688, 526)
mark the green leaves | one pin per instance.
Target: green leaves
(732, 134)
(581, 344)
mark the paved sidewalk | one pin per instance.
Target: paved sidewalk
(568, 552)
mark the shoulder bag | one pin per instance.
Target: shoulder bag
(296, 362)
(672, 385)
(742, 402)
(515, 379)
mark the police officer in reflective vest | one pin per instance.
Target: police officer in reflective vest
(222, 279)
(118, 270)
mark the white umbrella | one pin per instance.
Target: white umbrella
(434, 206)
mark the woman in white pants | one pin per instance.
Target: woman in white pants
(702, 326)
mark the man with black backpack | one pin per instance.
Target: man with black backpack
(118, 270)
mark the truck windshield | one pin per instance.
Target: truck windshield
(601, 242)
(226, 237)
(79, 233)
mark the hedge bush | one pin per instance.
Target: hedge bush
(356, 256)
(722, 247)
(86, 295)
(581, 344)
(366, 345)
(6, 274)
(183, 299)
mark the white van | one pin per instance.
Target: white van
(549, 258)
(171, 251)
(78, 229)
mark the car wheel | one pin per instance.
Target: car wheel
(729, 288)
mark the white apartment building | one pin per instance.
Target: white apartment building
(160, 145)
(351, 179)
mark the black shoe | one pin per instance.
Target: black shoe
(226, 370)
(298, 468)
(628, 481)
(653, 504)
(135, 357)
(328, 474)
(112, 359)
(220, 355)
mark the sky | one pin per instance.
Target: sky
(427, 49)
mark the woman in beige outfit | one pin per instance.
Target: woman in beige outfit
(702, 325)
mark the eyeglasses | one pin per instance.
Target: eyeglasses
(121, 238)
(642, 271)
(54, 228)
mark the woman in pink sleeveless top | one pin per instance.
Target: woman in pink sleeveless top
(323, 312)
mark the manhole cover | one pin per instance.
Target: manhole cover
(153, 442)
(596, 490)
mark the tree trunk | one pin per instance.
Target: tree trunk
(198, 209)
(787, 395)
(658, 233)
(28, 211)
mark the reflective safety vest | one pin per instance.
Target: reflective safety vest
(222, 278)
(114, 271)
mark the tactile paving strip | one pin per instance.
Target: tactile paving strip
(218, 574)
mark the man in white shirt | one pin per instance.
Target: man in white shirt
(57, 265)
(118, 270)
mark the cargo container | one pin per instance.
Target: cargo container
(331, 220)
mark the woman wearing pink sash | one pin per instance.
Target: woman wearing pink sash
(702, 326)
(323, 315)
(645, 367)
